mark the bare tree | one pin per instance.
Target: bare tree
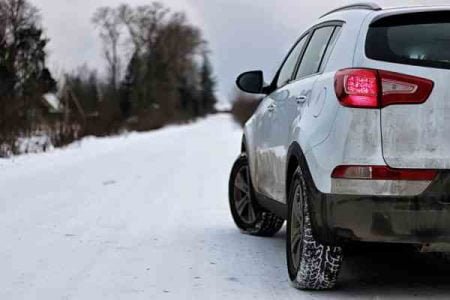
(163, 78)
(110, 25)
(143, 23)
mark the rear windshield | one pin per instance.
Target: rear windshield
(421, 39)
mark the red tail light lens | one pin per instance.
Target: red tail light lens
(382, 173)
(404, 89)
(367, 88)
(357, 88)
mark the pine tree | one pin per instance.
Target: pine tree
(23, 75)
(207, 86)
(129, 86)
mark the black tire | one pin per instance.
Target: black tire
(247, 214)
(311, 265)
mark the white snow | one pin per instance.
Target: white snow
(145, 216)
(36, 143)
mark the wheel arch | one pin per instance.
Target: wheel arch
(243, 145)
(295, 159)
(319, 221)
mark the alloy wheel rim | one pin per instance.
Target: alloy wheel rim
(243, 197)
(296, 232)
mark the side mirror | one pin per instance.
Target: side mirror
(251, 82)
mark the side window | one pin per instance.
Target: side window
(290, 63)
(330, 47)
(315, 51)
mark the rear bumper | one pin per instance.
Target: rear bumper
(423, 219)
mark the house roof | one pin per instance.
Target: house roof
(53, 102)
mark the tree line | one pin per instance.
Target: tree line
(157, 72)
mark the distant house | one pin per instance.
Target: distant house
(61, 116)
(53, 103)
(65, 105)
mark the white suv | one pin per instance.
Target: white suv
(352, 141)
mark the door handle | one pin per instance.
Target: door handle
(301, 99)
(271, 107)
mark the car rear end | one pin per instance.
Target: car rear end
(401, 73)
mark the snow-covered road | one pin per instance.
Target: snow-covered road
(146, 217)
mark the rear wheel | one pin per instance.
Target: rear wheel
(247, 214)
(311, 265)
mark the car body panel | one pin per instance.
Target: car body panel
(291, 102)
(319, 110)
(414, 136)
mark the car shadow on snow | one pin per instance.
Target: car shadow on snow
(374, 270)
(369, 271)
(390, 271)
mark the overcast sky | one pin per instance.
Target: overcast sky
(242, 34)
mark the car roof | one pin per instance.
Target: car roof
(367, 8)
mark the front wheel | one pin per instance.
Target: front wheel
(311, 265)
(247, 214)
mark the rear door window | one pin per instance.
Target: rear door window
(315, 51)
(421, 39)
(289, 65)
(330, 47)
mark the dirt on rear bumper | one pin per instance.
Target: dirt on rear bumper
(423, 219)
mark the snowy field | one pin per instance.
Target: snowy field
(145, 216)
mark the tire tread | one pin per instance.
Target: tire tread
(320, 264)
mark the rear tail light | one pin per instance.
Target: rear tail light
(358, 88)
(382, 173)
(404, 89)
(367, 88)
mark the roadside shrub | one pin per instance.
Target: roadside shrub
(244, 106)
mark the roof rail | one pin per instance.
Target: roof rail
(368, 6)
